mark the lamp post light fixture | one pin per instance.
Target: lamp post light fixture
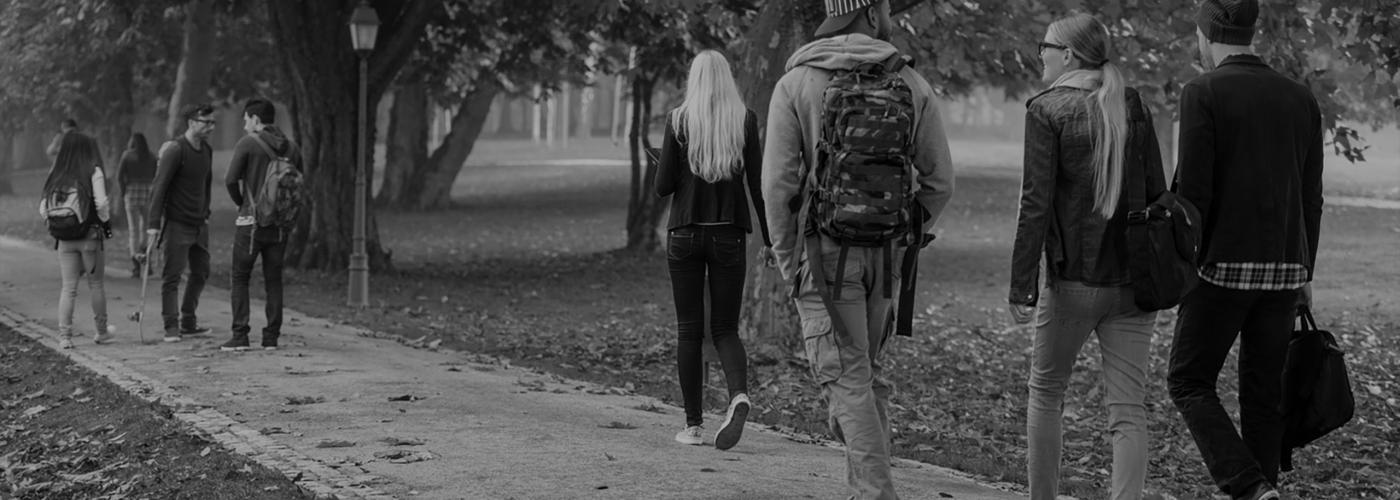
(364, 28)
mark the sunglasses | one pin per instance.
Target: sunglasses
(1047, 45)
(206, 122)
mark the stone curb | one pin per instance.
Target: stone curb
(318, 478)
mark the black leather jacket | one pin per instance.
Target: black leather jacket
(1057, 194)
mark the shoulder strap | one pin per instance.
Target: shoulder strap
(895, 63)
(266, 149)
(1137, 184)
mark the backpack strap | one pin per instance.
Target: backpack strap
(904, 310)
(895, 63)
(266, 149)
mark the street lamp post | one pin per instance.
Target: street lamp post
(364, 28)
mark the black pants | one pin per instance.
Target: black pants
(185, 246)
(248, 245)
(697, 254)
(1209, 320)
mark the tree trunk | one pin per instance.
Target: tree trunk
(322, 70)
(644, 208)
(408, 142)
(435, 190)
(769, 320)
(196, 63)
(7, 163)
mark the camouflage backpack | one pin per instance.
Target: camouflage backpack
(864, 184)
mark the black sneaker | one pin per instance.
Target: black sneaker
(733, 426)
(269, 343)
(194, 331)
(235, 344)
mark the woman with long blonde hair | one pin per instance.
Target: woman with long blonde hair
(1083, 134)
(710, 153)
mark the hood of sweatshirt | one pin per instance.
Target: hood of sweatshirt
(841, 52)
(276, 140)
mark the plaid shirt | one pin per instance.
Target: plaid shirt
(1255, 275)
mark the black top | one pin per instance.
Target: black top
(133, 170)
(1057, 217)
(184, 178)
(1251, 162)
(698, 202)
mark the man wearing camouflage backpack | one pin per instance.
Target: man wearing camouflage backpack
(857, 170)
(264, 181)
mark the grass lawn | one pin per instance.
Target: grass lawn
(522, 268)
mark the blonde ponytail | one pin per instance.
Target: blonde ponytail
(1110, 141)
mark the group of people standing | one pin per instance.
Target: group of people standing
(1250, 161)
(167, 197)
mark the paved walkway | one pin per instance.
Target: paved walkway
(487, 429)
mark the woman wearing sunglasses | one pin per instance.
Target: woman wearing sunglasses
(1082, 134)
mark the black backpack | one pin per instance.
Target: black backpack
(1317, 396)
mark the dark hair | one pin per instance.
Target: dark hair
(138, 146)
(69, 122)
(194, 111)
(261, 108)
(77, 157)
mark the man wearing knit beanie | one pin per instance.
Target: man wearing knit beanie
(1250, 159)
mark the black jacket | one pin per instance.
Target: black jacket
(1057, 194)
(696, 201)
(1251, 161)
(181, 190)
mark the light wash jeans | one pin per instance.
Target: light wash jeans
(1068, 312)
(78, 258)
(849, 370)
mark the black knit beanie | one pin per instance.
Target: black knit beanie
(1230, 22)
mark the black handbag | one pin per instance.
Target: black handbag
(1163, 240)
(1317, 396)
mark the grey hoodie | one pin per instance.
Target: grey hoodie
(249, 165)
(794, 117)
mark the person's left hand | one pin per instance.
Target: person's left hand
(1021, 314)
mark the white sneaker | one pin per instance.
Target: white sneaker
(690, 435)
(733, 426)
(67, 343)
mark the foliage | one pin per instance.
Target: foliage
(1346, 51)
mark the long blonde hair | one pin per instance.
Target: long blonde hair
(1088, 39)
(711, 118)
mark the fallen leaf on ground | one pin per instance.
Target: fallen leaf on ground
(618, 425)
(406, 397)
(405, 456)
(396, 441)
(334, 443)
(35, 410)
(305, 400)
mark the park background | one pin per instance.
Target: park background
(512, 215)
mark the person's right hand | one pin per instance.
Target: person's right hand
(152, 232)
(1021, 314)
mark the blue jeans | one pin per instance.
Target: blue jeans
(248, 245)
(185, 245)
(699, 255)
(1211, 318)
(78, 258)
(1068, 313)
(849, 370)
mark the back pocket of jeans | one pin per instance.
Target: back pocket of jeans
(680, 246)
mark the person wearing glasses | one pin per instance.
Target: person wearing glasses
(179, 217)
(1083, 134)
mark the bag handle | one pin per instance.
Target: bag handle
(1306, 317)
